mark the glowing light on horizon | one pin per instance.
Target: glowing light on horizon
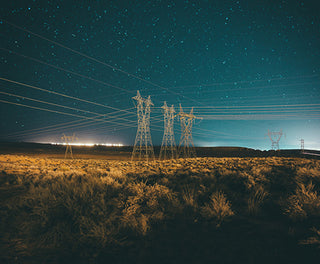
(89, 144)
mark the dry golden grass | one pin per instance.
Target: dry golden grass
(88, 206)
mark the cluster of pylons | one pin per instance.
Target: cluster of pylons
(143, 149)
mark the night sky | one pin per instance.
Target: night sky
(245, 67)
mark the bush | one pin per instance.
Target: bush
(313, 240)
(256, 200)
(304, 203)
(218, 209)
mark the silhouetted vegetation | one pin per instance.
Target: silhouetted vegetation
(252, 210)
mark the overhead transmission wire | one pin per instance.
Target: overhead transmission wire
(59, 68)
(71, 97)
(66, 107)
(64, 95)
(68, 71)
(257, 87)
(77, 126)
(58, 105)
(94, 59)
(64, 113)
(252, 81)
(214, 91)
(90, 118)
(259, 98)
(98, 61)
(52, 92)
(137, 77)
(253, 106)
(65, 124)
(75, 97)
(71, 108)
(262, 117)
(108, 128)
(61, 94)
(62, 126)
(68, 96)
(257, 110)
(69, 114)
(75, 109)
(231, 101)
(247, 99)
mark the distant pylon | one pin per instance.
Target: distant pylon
(302, 145)
(143, 148)
(186, 147)
(275, 138)
(168, 146)
(68, 141)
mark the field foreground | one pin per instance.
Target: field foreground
(227, 210)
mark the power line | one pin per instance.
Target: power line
(48, 103)
(59, 112)
(58, 105)
(68, 71)
(98, 61)
(66, 124)
(114, 117)
(60, 94)
(220, 117)
(65, 96)
(256, 87)
(240, 82)
(252, 106)
(62, 127)
(259, 117)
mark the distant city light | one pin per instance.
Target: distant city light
(89, 144)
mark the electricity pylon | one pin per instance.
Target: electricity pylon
(68, 141)
(302, 145)
(168, 146)
(143, 148)
(186, 147)
(275, 138)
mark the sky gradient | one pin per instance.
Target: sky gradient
(245, 67)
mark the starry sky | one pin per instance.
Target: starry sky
(245, 66)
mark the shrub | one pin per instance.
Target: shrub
(313, 240)
(256, 200)
(146, 204)
(304, 203)
(217, 209)
(189, 197)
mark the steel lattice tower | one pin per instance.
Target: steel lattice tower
(302, 145)
(186, 147)
(143, 148)
(275, 138)
(68, 141)
(168, 146)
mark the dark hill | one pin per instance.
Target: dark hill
(26, 148)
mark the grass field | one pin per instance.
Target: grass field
(222, 210)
